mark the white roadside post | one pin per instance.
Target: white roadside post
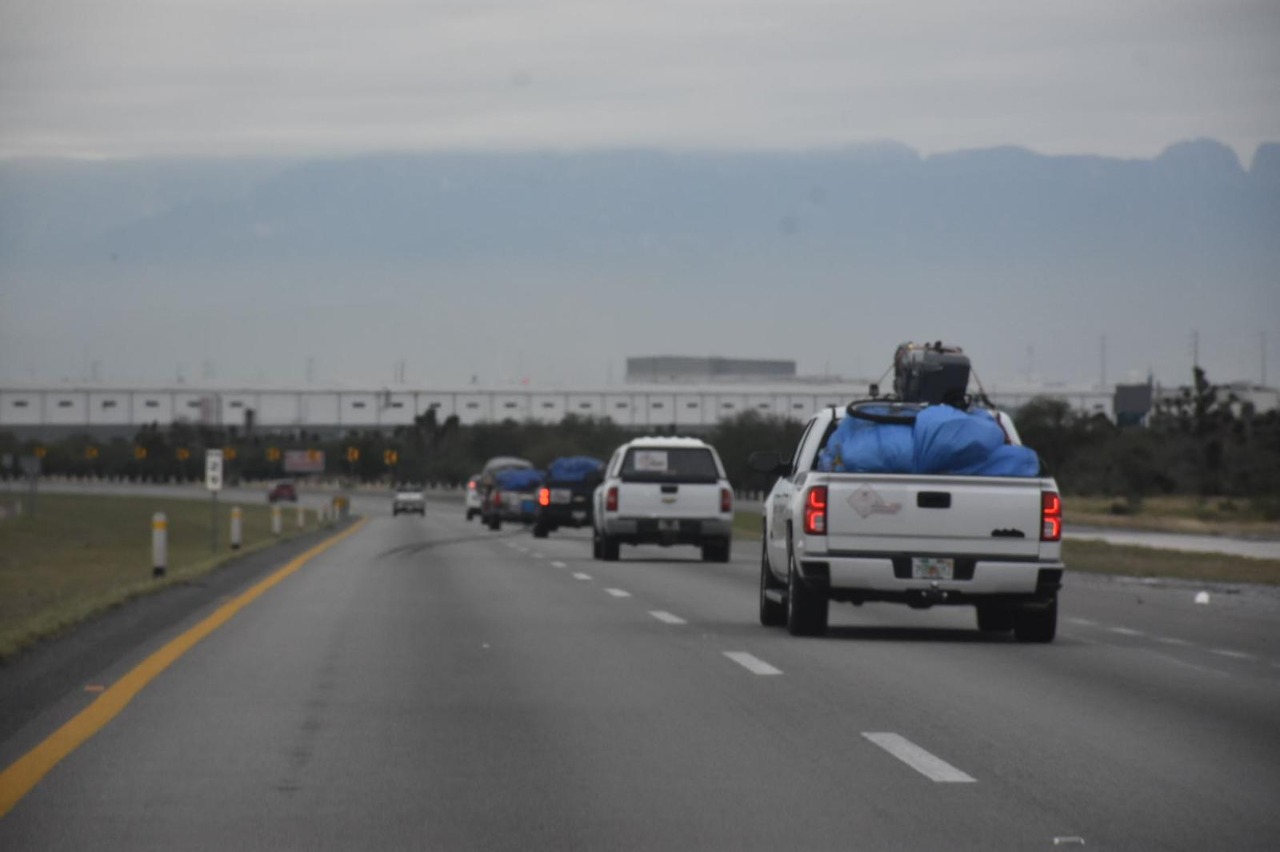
(235, 528)
(302, 516)
(159, 544)
(213, 482)
(275, 520)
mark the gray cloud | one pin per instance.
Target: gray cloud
(154, 77)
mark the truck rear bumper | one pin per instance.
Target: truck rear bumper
(890, 578)
(663, 531)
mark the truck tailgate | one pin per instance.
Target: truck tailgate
(669, 500)
(993, 516)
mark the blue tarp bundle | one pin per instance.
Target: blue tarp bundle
(521, 479)
(573, 468)
(944, 440)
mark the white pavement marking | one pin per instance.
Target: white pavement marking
(537, 556)
(1086, 622)
(1125, 631)
(1173, 640)
(667, 617)
(618, 593)
(751, 663)
(933, 768)
(582, 576)
(558, 565)
(1235, 655)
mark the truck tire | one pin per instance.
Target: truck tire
(609, 548)
(470, 514)
(1036, 624)
(539, 531)
(495, 523)
(806, 609)
(772, 613)
(715, 550)
(597, 552)
(994, 619)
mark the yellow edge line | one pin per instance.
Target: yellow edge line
(19, 778)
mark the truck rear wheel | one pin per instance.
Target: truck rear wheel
(609, 548)
(716, 550)
(994, 619)
(539, 531)
(1036, 624)
(772, 613)
(495, 523)
(806, 609)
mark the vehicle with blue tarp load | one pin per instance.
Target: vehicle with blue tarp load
(925, 497)
(564, 500)
(499, 503)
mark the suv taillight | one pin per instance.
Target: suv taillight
(1050, 516)
(497, 497)
(726, 500)
(611, 499)
(815, 510)
(544, 496)
(471, 485)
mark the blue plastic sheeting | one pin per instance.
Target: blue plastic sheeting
(573, 468)
(944, 440)
(519, 480)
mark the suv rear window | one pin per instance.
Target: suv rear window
(669, 464)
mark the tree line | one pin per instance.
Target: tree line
(1204, 441)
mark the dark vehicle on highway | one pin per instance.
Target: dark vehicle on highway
(283, 492)
(564, 500)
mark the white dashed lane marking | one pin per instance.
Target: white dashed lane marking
(1173, 640)
(1082, 621)
(667, 618)
(558, 565)
(618, 593)
(752, 663)
(582, 576)
(1235, 655)
(932, 767)
(537, 556)
(1125, 631)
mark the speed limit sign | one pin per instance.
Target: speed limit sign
(213, 470)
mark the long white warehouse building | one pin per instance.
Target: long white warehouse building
(101, 408)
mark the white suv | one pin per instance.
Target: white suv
(664, 491)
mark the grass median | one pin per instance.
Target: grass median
(79, 555)
(1098, 557)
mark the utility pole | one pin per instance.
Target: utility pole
(1103, 360)
(1262, 357)
(1195, 350)
(311, 369)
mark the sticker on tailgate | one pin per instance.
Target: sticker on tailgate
(866, 502)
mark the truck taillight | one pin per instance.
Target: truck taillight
(726, 500)
(815, 510)
(544, 496)
(497, 497)
(471, 485)
(1050, 516)
(611, 499)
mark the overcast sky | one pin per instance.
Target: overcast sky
(131, 78)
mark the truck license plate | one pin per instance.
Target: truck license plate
(932, 568)
(561, 495)
(668, 526)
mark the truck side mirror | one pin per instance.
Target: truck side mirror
(768, 463)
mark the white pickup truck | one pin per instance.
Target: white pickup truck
(664, 491)
(993, 542)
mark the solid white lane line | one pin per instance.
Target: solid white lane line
(582, 576)
(1125, 631)
(1235, 655)
(667, 617)
(751, 663)
(618, 593)
(1173, 640)
(932, 767)
(558, 565)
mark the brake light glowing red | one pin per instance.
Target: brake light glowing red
(815, 510)
(497, 497)
(471, 485)
(611, 499)
(544, 496)
(1050, 516)
(726, 500)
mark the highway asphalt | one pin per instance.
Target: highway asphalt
(429, 684)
